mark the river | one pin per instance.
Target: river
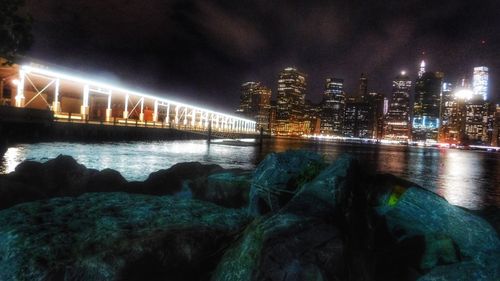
(466, 178)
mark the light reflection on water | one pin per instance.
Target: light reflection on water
(466, 178)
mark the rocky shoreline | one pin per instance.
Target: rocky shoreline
(295, 217)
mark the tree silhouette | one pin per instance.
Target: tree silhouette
(15, 30)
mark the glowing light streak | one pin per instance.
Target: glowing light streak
(116, 89)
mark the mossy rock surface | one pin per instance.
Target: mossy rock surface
(278, 177)
(284, 247)
(115, 236)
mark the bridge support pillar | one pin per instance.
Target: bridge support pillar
(56, 107)
(109, 113)
(125, 114)
(20, 101)
(84, 111)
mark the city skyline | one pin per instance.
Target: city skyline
(199, 50)
(428, 109)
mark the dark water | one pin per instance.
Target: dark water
(466, 178)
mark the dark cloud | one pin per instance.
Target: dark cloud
(202, 50)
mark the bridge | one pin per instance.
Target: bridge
(76, 99)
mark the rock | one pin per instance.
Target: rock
(299, 242)
(321, 196)
(170, 181)
(228, 188)
(114, 236)
(488, 270)
(278, 176)
(416, 211)
(107, 180)
(63, 176)
(398, 230)
(284, 247)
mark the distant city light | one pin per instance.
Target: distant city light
(464, 94)
(403, 72)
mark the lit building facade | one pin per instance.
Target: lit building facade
(426, 107)
(312, 117)
(290, 103)
(375, 102)
(397, 120)
(358, 118)
(480, 82)
(333, 107)
(255, 104)
(451, 116)
(475, 120)
(495, 140)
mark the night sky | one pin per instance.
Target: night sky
(201, 51)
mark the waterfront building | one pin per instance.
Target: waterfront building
(312, 117)
(358, 121)
(490, 109)
(375, 121)
(475, 120)
(480, 82)
(450, 116)
(255, 103)
(333, 107)
(397, 121)
(495, 140)
(426, 106)
(363, 86)
(290, 102)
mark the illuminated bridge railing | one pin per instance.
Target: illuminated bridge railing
(76, 99)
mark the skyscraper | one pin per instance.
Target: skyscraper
(480, 82)
(375, 120)
(397, 120)
(495, 139)
(422, 69)
(450, 116)
(363, 86)
(290, 102)
(426, 106)
(333, 107)
(255, 103)
(358, 118)
(475, 120)
(246, 92)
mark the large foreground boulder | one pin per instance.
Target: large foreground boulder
(301, 241)
(278, 177)
(398, 230)
(228, 188)
(284, 247)
(114, 236)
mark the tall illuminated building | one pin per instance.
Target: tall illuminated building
(397, 119)
(255, 103)
(246, 92)
(333, 107)
(421, 71)
(375, 121)
(450, 116)
(426, 106)
(363, 86)
(495, 140)
(290, 102)
(475, 120)
(480, 82)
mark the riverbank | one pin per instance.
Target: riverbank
(295, 217)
